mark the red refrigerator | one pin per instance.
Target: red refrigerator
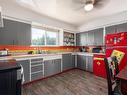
(116, 45)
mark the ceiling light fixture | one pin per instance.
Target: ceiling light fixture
(88, 6)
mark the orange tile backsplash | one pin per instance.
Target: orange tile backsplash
(15, 49)
(25, 49)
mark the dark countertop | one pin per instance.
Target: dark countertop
(8, 66)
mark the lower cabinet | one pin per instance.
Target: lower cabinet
(35, 69)
(67, 61)
(89, 63)
(73, 60)
(52, 67)
(81, 62)
(26, 68)
(85, 62)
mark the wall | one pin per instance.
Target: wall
(104, 21)
(10, 9)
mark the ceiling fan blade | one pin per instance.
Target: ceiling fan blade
(100, 3)
(79, 1)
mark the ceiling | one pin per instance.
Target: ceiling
(69, 11)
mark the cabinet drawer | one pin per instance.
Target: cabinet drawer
(36, 68)
(57, 61)
(36, 76)
(36, 61)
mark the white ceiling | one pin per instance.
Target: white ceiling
(68, 10)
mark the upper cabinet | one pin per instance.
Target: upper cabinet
(122, 27)
(78, 39)
(93, 37)
(96, 36)
(1, 18)
(99, 37)
(90, 38)
(81, 39)
(116, 28)
(111, 29)
(15, 33)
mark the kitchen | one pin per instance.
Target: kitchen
(44, 52)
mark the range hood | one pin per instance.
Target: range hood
(1, 18)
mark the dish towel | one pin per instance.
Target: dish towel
(22, 74)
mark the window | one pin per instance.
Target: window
(44, 37)
(51, 38)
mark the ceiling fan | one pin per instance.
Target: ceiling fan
(89, 5)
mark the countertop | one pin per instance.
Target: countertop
(53, 55)
(8, 66)
(87, 53)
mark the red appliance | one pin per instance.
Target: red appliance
(116, 44)
(99, 66)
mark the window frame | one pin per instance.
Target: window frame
(46, 29)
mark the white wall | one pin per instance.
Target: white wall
(104, 21)
(10, 9)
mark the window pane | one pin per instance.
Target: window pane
(38, 36)
(51, 38)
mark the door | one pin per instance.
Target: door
(23, 34)
(52, 67)
(98, 37)
(15, 33)
(99, 66)
(90, 38)
(78, 39)
(83, 39)
(73, 60)
(89, 63)
(67, 61)
(111, 29)
(122, 27)
(81, 62)
(48, 68)
(57, 66)
(8, 33)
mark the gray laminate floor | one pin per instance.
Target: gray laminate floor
(74, 82)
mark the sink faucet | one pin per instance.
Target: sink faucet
(39, 51)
